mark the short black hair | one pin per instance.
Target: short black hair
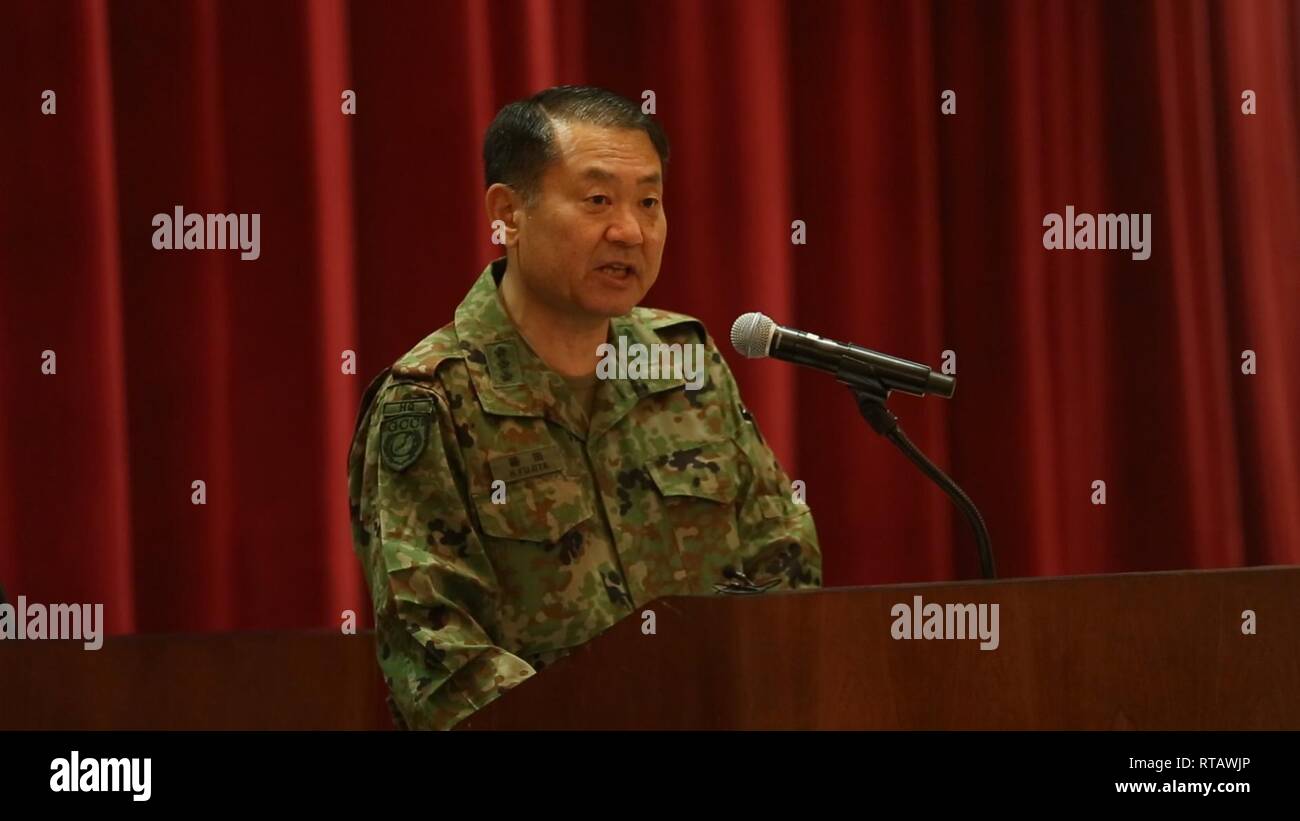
(520, 142)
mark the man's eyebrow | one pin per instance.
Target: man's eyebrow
(605, 176)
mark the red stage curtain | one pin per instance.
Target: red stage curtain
(924, 234)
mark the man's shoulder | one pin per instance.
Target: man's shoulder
(422, 361)
(675, 328)
(671, 326)
(411, 385)
(414, 374)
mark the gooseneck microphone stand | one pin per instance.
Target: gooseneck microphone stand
(871, 394)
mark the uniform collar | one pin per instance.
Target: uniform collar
(511, 380)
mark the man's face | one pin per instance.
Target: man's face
(591, 243)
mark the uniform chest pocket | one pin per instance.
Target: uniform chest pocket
(707, 471)
(698, 486)
(540, 509)
(703, 472)
(536, 538)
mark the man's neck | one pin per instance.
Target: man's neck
(566, 343)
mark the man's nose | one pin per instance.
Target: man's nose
(624, 228)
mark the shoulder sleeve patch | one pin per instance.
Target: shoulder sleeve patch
(404, 432)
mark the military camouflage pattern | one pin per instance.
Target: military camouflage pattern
(666, 492)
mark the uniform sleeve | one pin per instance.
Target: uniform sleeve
(434, 591)
(776, 526)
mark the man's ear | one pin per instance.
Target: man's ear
(505, 212)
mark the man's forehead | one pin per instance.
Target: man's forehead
(601, 174)
(606, 154)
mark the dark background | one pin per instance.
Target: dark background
(924, 234)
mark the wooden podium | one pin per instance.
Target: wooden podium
(1127, 651)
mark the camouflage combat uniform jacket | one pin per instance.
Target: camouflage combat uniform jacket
(496, 529)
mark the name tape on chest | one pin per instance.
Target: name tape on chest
(527, 464)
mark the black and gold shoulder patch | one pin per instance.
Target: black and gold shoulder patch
(404, 432)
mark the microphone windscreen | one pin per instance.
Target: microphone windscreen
(751, 334)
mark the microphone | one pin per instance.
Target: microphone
(756, 336)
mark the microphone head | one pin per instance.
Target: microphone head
(751, 334)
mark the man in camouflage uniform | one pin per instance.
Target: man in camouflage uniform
(506, 505)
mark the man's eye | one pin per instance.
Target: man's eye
(604, 200)
(649, 202)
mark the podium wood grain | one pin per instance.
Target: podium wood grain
(1141, 651)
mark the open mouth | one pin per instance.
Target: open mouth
(617, 269)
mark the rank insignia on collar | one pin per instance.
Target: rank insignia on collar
(503, 364)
